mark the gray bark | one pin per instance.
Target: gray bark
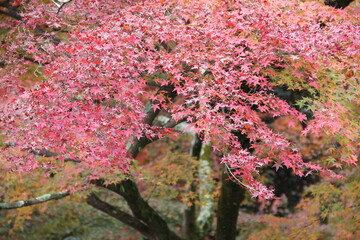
(37, 200)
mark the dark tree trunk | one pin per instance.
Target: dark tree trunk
(338, 3)
(120, 215)
(231, 195)
(141, 210)
(191, 230)
(8, 9)
(190, 226)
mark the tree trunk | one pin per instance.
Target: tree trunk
(190, 226)
(231, 196)
(206, 188)
(338, 3)
(141, 209)
(191, 230)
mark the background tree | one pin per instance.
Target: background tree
(115, 76)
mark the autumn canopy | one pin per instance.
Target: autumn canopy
(112, 76)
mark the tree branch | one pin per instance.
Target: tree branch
(47, 153)
(120, 215)
(140, 208)
(231, 195)
(146, 219)
(338, 3)
(191, 229)
(7, 9)
(59, 4)
(43, 198)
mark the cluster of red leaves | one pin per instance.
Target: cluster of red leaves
(214, 55)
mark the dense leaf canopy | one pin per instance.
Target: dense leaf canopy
(102, 66)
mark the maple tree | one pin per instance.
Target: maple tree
(115, 76)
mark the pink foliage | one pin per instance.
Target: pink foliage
(214, 55)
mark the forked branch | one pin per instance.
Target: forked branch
(115, 212)
(59, 4)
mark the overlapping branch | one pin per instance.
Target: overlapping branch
(120, 215)
(145, 219)
(41, 199)
(59, 4)
(8, 9)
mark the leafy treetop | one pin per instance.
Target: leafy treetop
(213, 64)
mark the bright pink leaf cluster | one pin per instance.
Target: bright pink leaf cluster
(213, 54)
